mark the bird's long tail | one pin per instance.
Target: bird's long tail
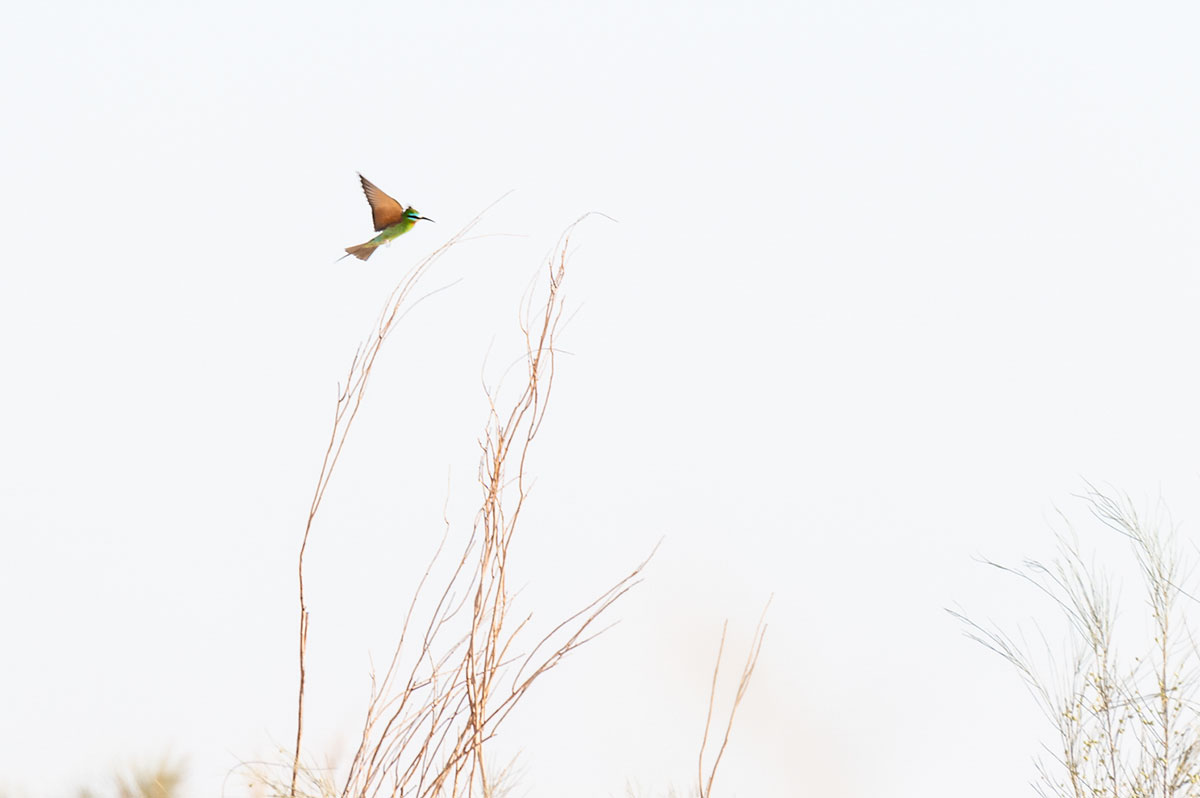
(362, 251)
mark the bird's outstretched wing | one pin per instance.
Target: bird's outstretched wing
(385, 211)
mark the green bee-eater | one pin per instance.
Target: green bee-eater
(391, 220)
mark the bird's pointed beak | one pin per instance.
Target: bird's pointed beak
(426, 218)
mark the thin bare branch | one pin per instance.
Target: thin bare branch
(756, 644)
(454, 678)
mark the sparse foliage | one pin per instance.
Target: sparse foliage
(1125, 727)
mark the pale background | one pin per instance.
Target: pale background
(888, 282)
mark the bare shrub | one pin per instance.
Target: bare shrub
(457, 671)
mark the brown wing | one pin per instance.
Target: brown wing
(385, 211)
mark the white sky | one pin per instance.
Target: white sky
(886, 285)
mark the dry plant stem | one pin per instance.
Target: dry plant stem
(486, 649)
(756, 643)
(349, 401)
(428, 721)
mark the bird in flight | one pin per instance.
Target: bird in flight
(391, 220)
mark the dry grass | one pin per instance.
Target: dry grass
(161, 781)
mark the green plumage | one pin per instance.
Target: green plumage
(390, 217)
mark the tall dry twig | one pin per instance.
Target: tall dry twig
(426, 736)
(756, 643)
(428, 722)
(349, 401)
